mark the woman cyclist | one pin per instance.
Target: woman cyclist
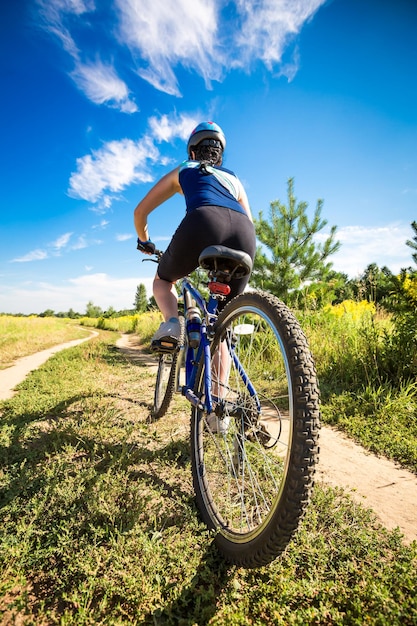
(217, 213)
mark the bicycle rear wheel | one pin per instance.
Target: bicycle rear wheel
(167, 378)
(253, 459)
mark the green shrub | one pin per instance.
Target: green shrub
(142, 324)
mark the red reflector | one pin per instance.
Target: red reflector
(219, 288)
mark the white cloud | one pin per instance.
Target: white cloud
(61, 241)
(266, 27)
(98, 81)
(169, 127)
(101, 85)
(124, 237)
(102, 226)
(34, 255)
(78, 7)
(55, 247)
(80, 244)
(197, 35)
(361, 246)
(118, 164)
(112, 167)
(101, 289)
(54, 13)
(162, 34)
(104, 203)
(206, 36)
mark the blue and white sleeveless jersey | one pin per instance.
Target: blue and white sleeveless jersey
(209, 185)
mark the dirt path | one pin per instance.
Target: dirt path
(378, 483)
(375, 482)
(13, 375)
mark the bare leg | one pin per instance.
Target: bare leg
(166, 297)
(220, 370)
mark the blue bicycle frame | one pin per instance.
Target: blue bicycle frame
(192, 358)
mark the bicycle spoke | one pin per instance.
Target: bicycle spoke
(244, 456)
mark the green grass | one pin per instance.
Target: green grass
(381, 419)
(21, 336)
(98, 523)
(360, 394)
(143, 324)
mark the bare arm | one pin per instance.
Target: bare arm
(164, 189)
(243, 200)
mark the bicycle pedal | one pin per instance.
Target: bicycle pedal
(164, 346)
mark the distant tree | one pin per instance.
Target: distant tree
(93, 310)
(141, 301)
(399, 352)
(72, 314)
(47, 313)
(342, 286)
(152, 304)
(292, 257)
(403, 296)
(333, 290)
(412, 243)
(373, 285)
(111, 312)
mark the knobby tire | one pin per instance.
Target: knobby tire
(167, 378)
(253, 482)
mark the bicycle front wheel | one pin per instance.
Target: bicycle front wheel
(253, 458)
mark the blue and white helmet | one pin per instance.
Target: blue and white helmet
(206, 130)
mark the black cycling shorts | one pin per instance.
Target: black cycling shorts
(202, 227)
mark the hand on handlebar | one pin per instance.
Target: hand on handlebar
(147, 247)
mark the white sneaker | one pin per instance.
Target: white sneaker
(167, 336)
(217, 425)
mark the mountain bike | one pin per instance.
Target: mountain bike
(248, 373)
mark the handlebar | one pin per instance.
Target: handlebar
(155, 257)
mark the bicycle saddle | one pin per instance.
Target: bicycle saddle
(224, 260)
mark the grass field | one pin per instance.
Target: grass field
(21, 336)
(98, 523)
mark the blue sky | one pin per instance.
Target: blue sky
(98, 99)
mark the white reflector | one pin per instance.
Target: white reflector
(244, 329)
